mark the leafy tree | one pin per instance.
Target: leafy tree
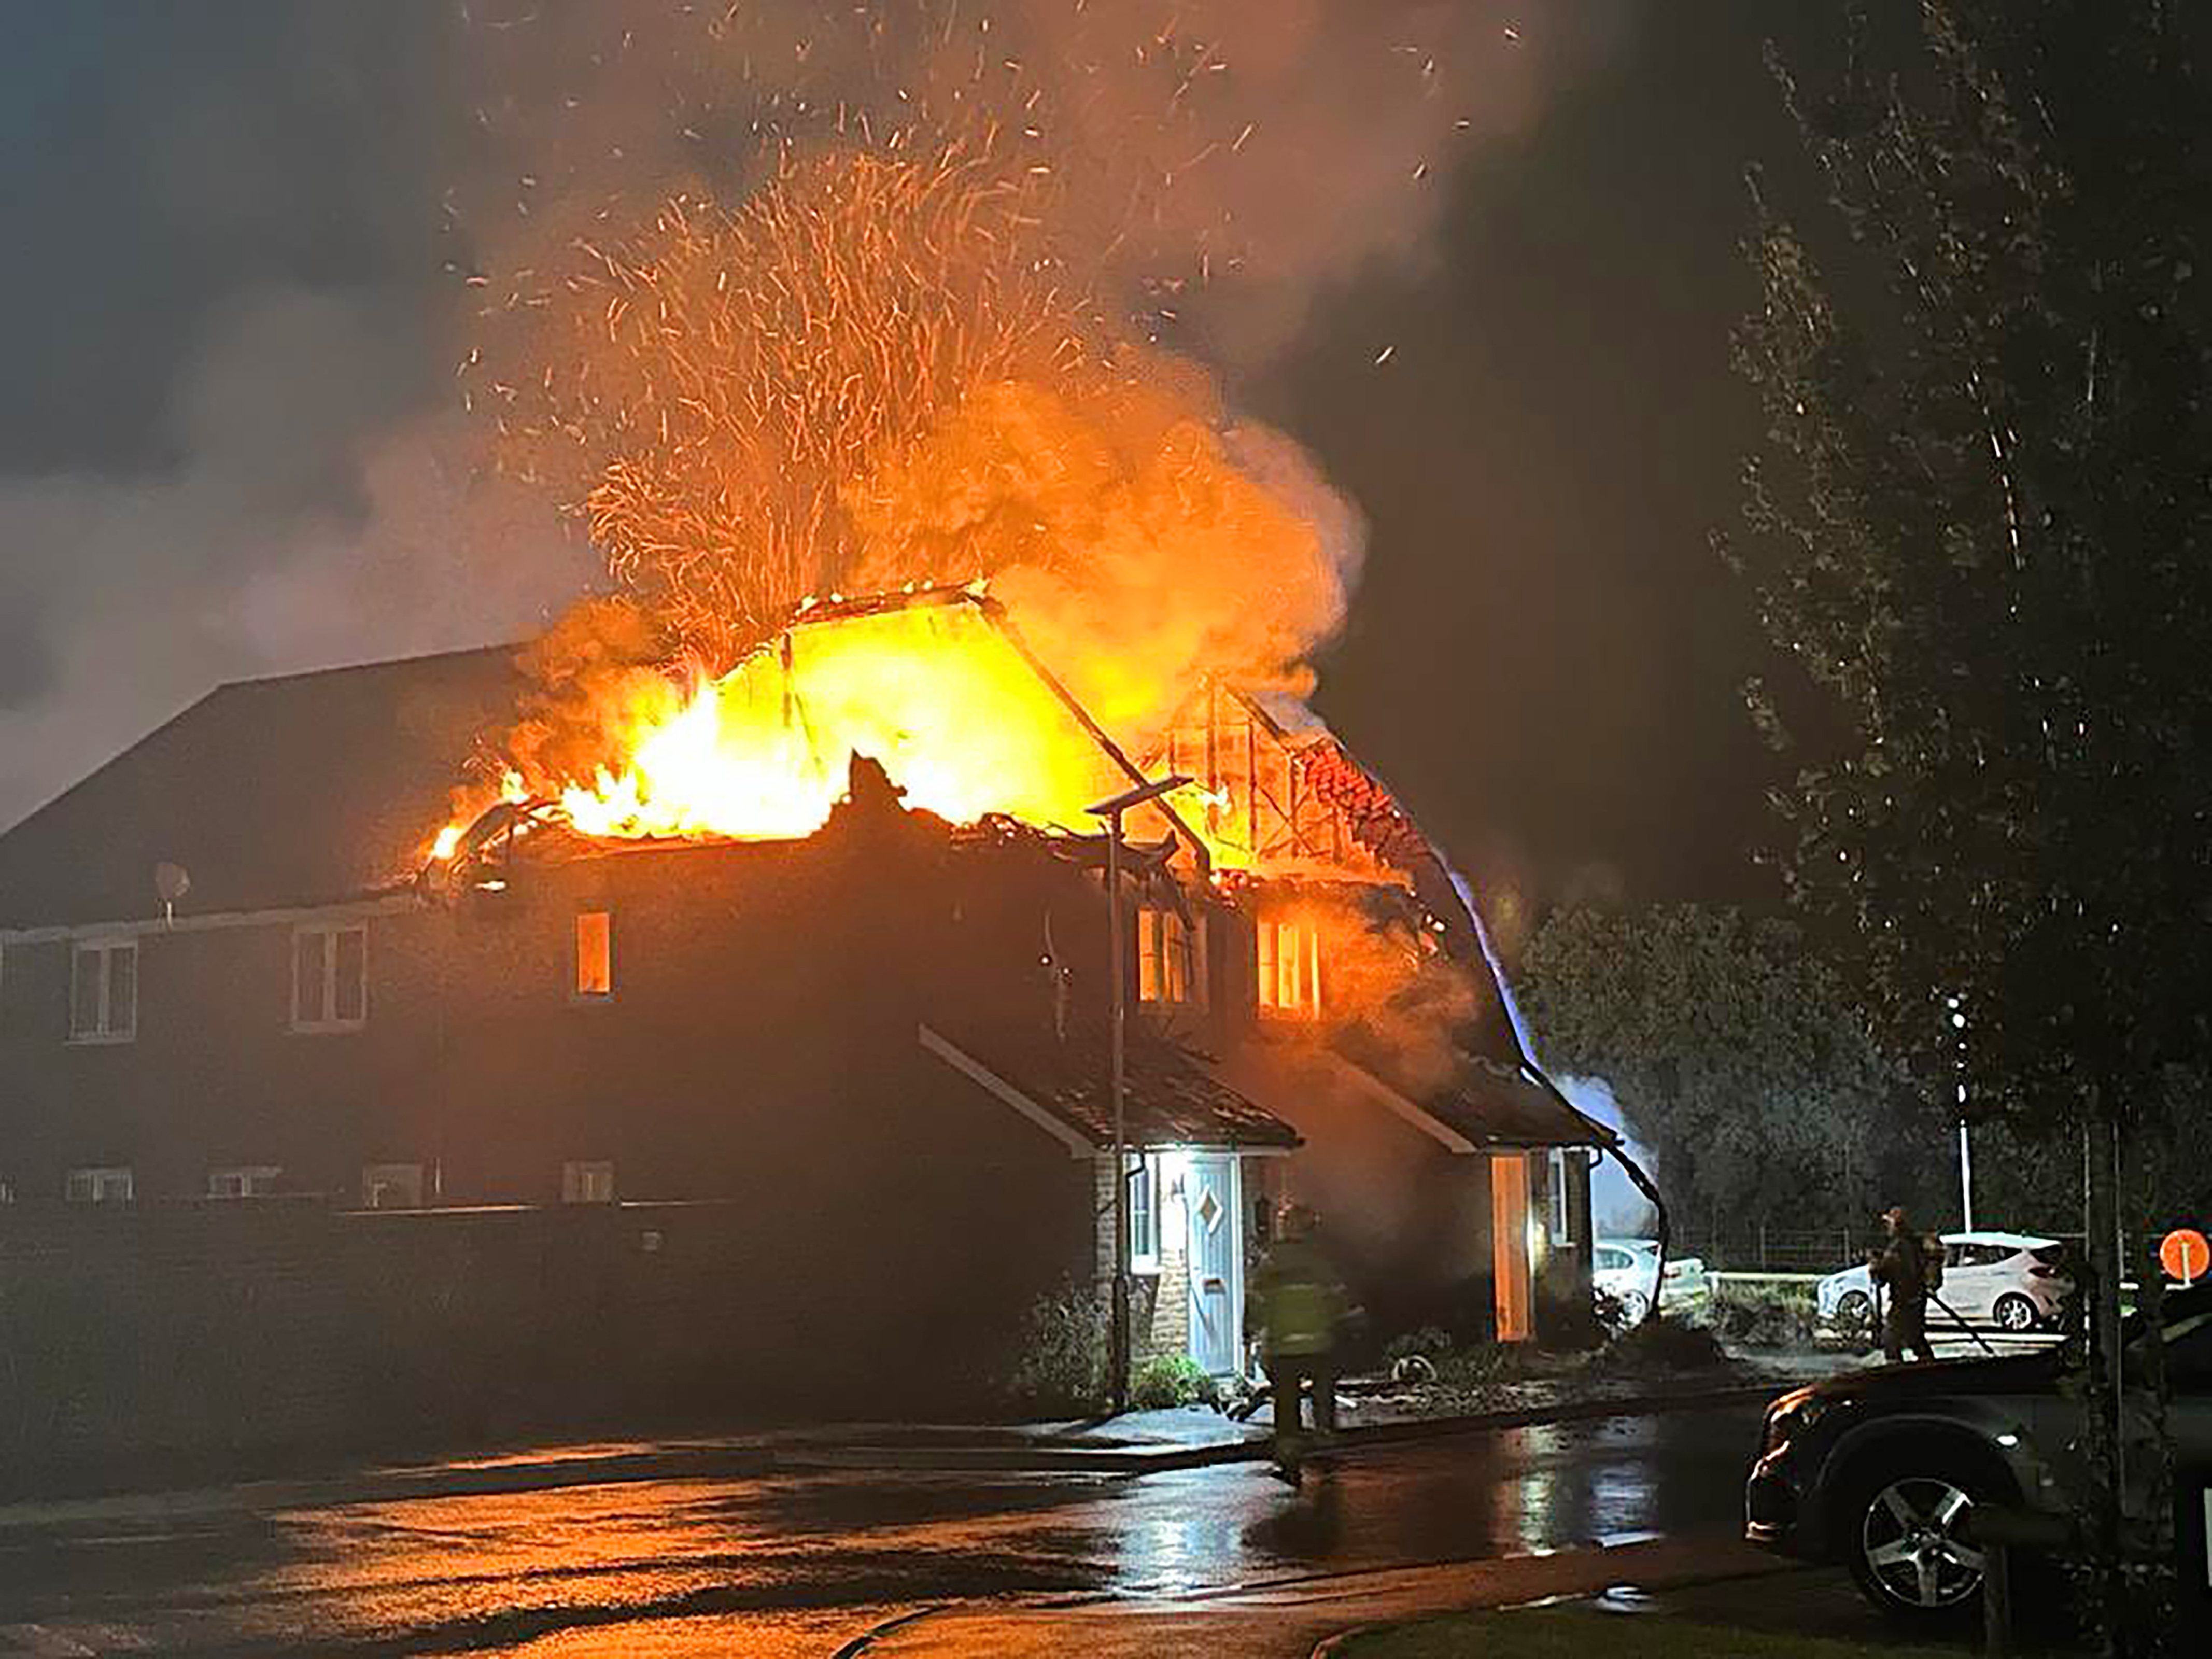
(1740, 1060)
(1981, 526)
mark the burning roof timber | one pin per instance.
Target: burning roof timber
(935, 685)
(939, 686)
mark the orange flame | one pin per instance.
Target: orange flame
(876, 368)
(950, 707)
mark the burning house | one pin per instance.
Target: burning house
(731, 974)
(831, 953)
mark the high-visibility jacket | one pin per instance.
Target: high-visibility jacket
(1301, 1300)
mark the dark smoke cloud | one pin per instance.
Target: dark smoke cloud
(1232, 158)
(225, 446)
(228, 438)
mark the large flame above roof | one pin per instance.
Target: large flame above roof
(933, 687)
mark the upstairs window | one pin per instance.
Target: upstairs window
(330, 978)
(243, 1180)
(1290, 969)
(103, 991)
(588, 1182)
(595, 957)
(1171, 967)
(105, 1184)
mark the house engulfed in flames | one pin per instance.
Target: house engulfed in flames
(826, 945)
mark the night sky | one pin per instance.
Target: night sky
(229, 444)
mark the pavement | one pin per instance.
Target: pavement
(811, 1560)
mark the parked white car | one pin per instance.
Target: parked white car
(2010, 1280)
(1627, 1269)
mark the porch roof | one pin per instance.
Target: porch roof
(1494, 1107)
(1481, 1107)
(1172, 1100)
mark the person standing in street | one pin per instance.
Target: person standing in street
(1301, 1306)
(1902, 1267)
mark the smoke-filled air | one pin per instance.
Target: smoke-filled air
(928, 297)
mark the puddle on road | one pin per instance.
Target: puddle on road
(1625, 1598)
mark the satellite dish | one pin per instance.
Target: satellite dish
(172, 882)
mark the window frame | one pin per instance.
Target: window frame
(578, 1179)
(396, 1173)
(106, 948)
(1145, 1177)
(329, 932)
(248, 1176)
(97, 1177)
(577, 994)
(1304, 973)
(1171, 957)
(1558, 1210)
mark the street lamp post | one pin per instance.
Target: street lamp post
(1117, 1073)
(1958, 1016)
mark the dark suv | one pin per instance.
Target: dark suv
(1882, 1469)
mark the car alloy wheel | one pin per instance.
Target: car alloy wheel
(1912, 1545)
(1634, 1304)
(2014, 1313)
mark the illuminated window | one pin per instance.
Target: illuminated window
(110, 1184)
(330, 978)
(103, 991)
(588, 1182)
(1170, 964)
(1290, 969)
(595, 957)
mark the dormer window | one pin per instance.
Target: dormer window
(1290, 969)
(1170, 961)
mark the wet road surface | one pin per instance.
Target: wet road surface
(799, 1563)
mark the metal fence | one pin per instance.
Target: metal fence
(1775, 1249)
(1758, 1248)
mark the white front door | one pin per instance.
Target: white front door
(1212, 1201)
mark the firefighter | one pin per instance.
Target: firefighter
(1301, 1307)
(1907, 1267)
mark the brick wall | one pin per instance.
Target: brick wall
(1160, 1301)
(140, 1339)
